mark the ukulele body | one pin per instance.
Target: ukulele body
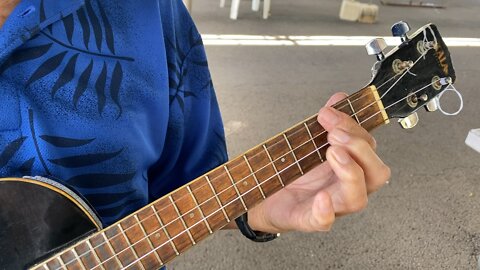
(39, 217)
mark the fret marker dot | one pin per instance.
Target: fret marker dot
(245, 183)
(191, 215)
(157, 235)
(283, 159)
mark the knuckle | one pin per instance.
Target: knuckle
(360, 204)
(372, 142)
(324, 224)
(354, 174)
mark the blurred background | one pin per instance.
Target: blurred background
(427, 217)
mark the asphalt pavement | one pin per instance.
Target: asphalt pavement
(427, 217)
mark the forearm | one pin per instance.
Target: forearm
(6, 7)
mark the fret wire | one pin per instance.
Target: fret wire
(78, 258)
(46, 266)
(111, 248)
(293, 153)
(199, 209)
(273, 165)
(182, 220)
(148, 238)
(314, 143)
(218, 199)
(166, 232)
(129, 243)
(90, 247)
(353, 111)
(254, 176)
(235, 187)
(62, 264)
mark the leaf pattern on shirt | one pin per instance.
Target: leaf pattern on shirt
(10, 150)
(178, 70)
(92, 25)
(52, 150)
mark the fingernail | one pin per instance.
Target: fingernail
(341, 156)
(340, 136)
(328, 115)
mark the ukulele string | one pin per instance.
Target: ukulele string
(256, 186)
(414, 63)
(310, 140)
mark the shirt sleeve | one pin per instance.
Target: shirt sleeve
(195, 140)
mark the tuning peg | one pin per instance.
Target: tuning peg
(432, 105)
(409, 121)
(400, 29)
(376, 47)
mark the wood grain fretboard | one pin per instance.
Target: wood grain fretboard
(164, 229)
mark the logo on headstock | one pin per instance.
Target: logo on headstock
(442, 59)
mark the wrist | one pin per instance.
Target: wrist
(257, 220)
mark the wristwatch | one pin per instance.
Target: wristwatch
(256, 236)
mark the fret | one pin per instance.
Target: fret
(85, 254)
(90, 247)
(218, 199)
(254, 176)
(293, 153)
(368, 108)
(148, 239)
(182, 220)
(274, 167)
(46, 267)
(78, 258)
(353, 111)
(130, 246)
(62, 263)
(200, 210)
(165, 231)
(114, 255)
(311, 137)
(55, 263)
(209, 206)
(235, 187)
(264, 171)
(382, 110)
(152, 228)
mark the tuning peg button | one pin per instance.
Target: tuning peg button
(376, 47)
(432, 105)
(409, 121)
(400, 29)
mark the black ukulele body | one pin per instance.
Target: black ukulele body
(37, 218)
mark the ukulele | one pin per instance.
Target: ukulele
(46, 226)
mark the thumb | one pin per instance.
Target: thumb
(322, 214)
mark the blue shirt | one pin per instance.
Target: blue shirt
(112, 98)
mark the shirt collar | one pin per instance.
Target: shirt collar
(30, 17)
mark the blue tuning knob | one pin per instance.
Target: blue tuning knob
(400, 29)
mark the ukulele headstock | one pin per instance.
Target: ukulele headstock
(412, 74)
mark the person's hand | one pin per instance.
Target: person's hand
(337, 187)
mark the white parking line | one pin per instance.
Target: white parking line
(258, 40)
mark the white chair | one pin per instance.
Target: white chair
(255, 7)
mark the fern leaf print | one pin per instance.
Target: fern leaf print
(120, 110)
